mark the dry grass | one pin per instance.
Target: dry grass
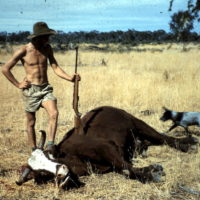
(135, 81)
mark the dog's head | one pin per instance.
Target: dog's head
(167, 114)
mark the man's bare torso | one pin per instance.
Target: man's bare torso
(34, 57)
(35, 63)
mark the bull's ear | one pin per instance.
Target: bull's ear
(54, 150)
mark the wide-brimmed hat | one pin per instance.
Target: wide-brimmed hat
(41, 28)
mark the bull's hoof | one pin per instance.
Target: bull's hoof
(189, 144)
(153, 173)
(19, 183)
(157, 173)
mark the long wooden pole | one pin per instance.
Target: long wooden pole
(77, 118)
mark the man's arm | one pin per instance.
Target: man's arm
(57, 70)
(6, 69)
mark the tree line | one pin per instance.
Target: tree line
(124, 37)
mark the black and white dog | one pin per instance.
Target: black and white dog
(183, 119)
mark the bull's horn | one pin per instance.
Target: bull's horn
(42, 139)
(23, 177)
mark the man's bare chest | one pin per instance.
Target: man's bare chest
(35, 57)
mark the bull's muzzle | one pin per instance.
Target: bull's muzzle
(62, 176)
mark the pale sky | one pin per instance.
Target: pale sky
(88, 15)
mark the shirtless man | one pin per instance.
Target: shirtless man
(37, 92)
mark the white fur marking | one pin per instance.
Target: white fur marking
(38, 161)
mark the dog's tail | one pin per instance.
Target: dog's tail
(166, 109)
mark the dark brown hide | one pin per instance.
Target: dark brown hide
(83, 155)
(128, 133)
(111, 138)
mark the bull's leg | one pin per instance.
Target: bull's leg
(145, 131)
(150, 173)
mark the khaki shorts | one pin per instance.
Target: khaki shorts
(35, 95)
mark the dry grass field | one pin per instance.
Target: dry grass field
(144, 78)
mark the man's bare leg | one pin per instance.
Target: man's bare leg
(30, 116)
(51, 108)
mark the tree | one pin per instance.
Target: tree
(181, 24)
(182, 21)
(193, 6)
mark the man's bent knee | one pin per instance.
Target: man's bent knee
(54, 115)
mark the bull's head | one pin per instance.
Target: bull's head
(42, 162)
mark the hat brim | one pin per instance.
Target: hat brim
(50, 32)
